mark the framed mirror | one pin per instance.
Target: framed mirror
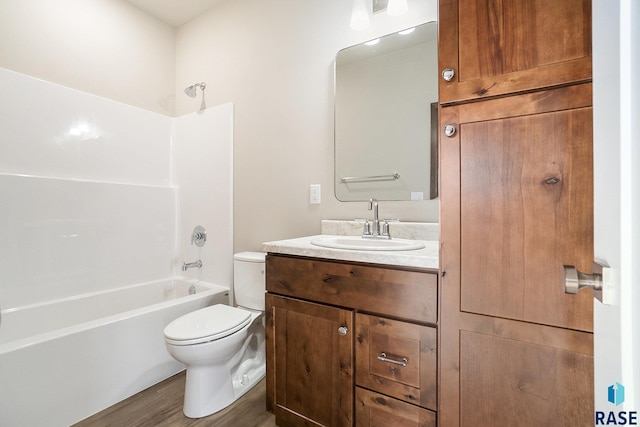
(386, 94)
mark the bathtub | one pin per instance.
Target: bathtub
(65, 360)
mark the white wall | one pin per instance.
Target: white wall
(274, 61)
(105, 47)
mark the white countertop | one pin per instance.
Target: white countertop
(422, 258)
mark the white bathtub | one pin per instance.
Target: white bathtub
(65, 360)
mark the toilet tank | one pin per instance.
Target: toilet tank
(249, 280)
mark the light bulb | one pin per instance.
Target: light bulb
(359, 15)
(397, 7)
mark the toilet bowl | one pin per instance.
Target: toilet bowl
(223, 347)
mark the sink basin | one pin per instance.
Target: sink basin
(361, 244)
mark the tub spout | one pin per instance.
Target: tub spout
(188, 265)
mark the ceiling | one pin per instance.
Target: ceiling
(174, 12)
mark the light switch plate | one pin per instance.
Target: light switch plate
(314, 194)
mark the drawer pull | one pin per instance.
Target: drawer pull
(383, 358)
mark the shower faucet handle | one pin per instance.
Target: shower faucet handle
(199, 236)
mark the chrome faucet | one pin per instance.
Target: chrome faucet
(188, 265)
(373, 230)
(373, 205)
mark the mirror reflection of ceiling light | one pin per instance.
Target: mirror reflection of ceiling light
(407, 31)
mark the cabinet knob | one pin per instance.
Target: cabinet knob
(342, 330)
(448, 74)
(449, 130)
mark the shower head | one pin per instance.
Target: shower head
(191, 90)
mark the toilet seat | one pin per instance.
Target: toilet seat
(207, 324)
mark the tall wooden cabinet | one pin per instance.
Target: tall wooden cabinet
(516, 205)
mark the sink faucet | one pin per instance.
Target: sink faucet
(373, 230)
(373, 205)
(188, 265)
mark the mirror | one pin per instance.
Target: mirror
(386, 94)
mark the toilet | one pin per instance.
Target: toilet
(223, 347)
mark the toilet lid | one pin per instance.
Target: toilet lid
(214, 322)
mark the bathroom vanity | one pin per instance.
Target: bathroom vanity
(350, 340)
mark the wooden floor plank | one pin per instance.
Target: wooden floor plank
(161, 406)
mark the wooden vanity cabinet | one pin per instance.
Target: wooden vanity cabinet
(503, 47)
(350, 343)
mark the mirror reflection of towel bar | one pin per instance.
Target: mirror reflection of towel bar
(392, 177)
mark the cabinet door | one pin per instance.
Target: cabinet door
(309, 363)
(517, 205)
(498, 47)
(526, 195)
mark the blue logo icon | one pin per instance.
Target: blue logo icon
(616, 393)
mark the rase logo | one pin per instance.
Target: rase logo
(615, 395)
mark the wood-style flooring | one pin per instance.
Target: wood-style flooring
(161, 406)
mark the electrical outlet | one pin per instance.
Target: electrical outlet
(314, 194)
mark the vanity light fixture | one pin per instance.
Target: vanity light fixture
(359, 15)
(360, 12)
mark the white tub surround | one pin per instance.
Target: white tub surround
(426, 257)
(112, 195)
(63, 361)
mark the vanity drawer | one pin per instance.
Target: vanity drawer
(405, 294)
(397, 358)
(373, 409)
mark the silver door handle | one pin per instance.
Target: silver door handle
(575, 280)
